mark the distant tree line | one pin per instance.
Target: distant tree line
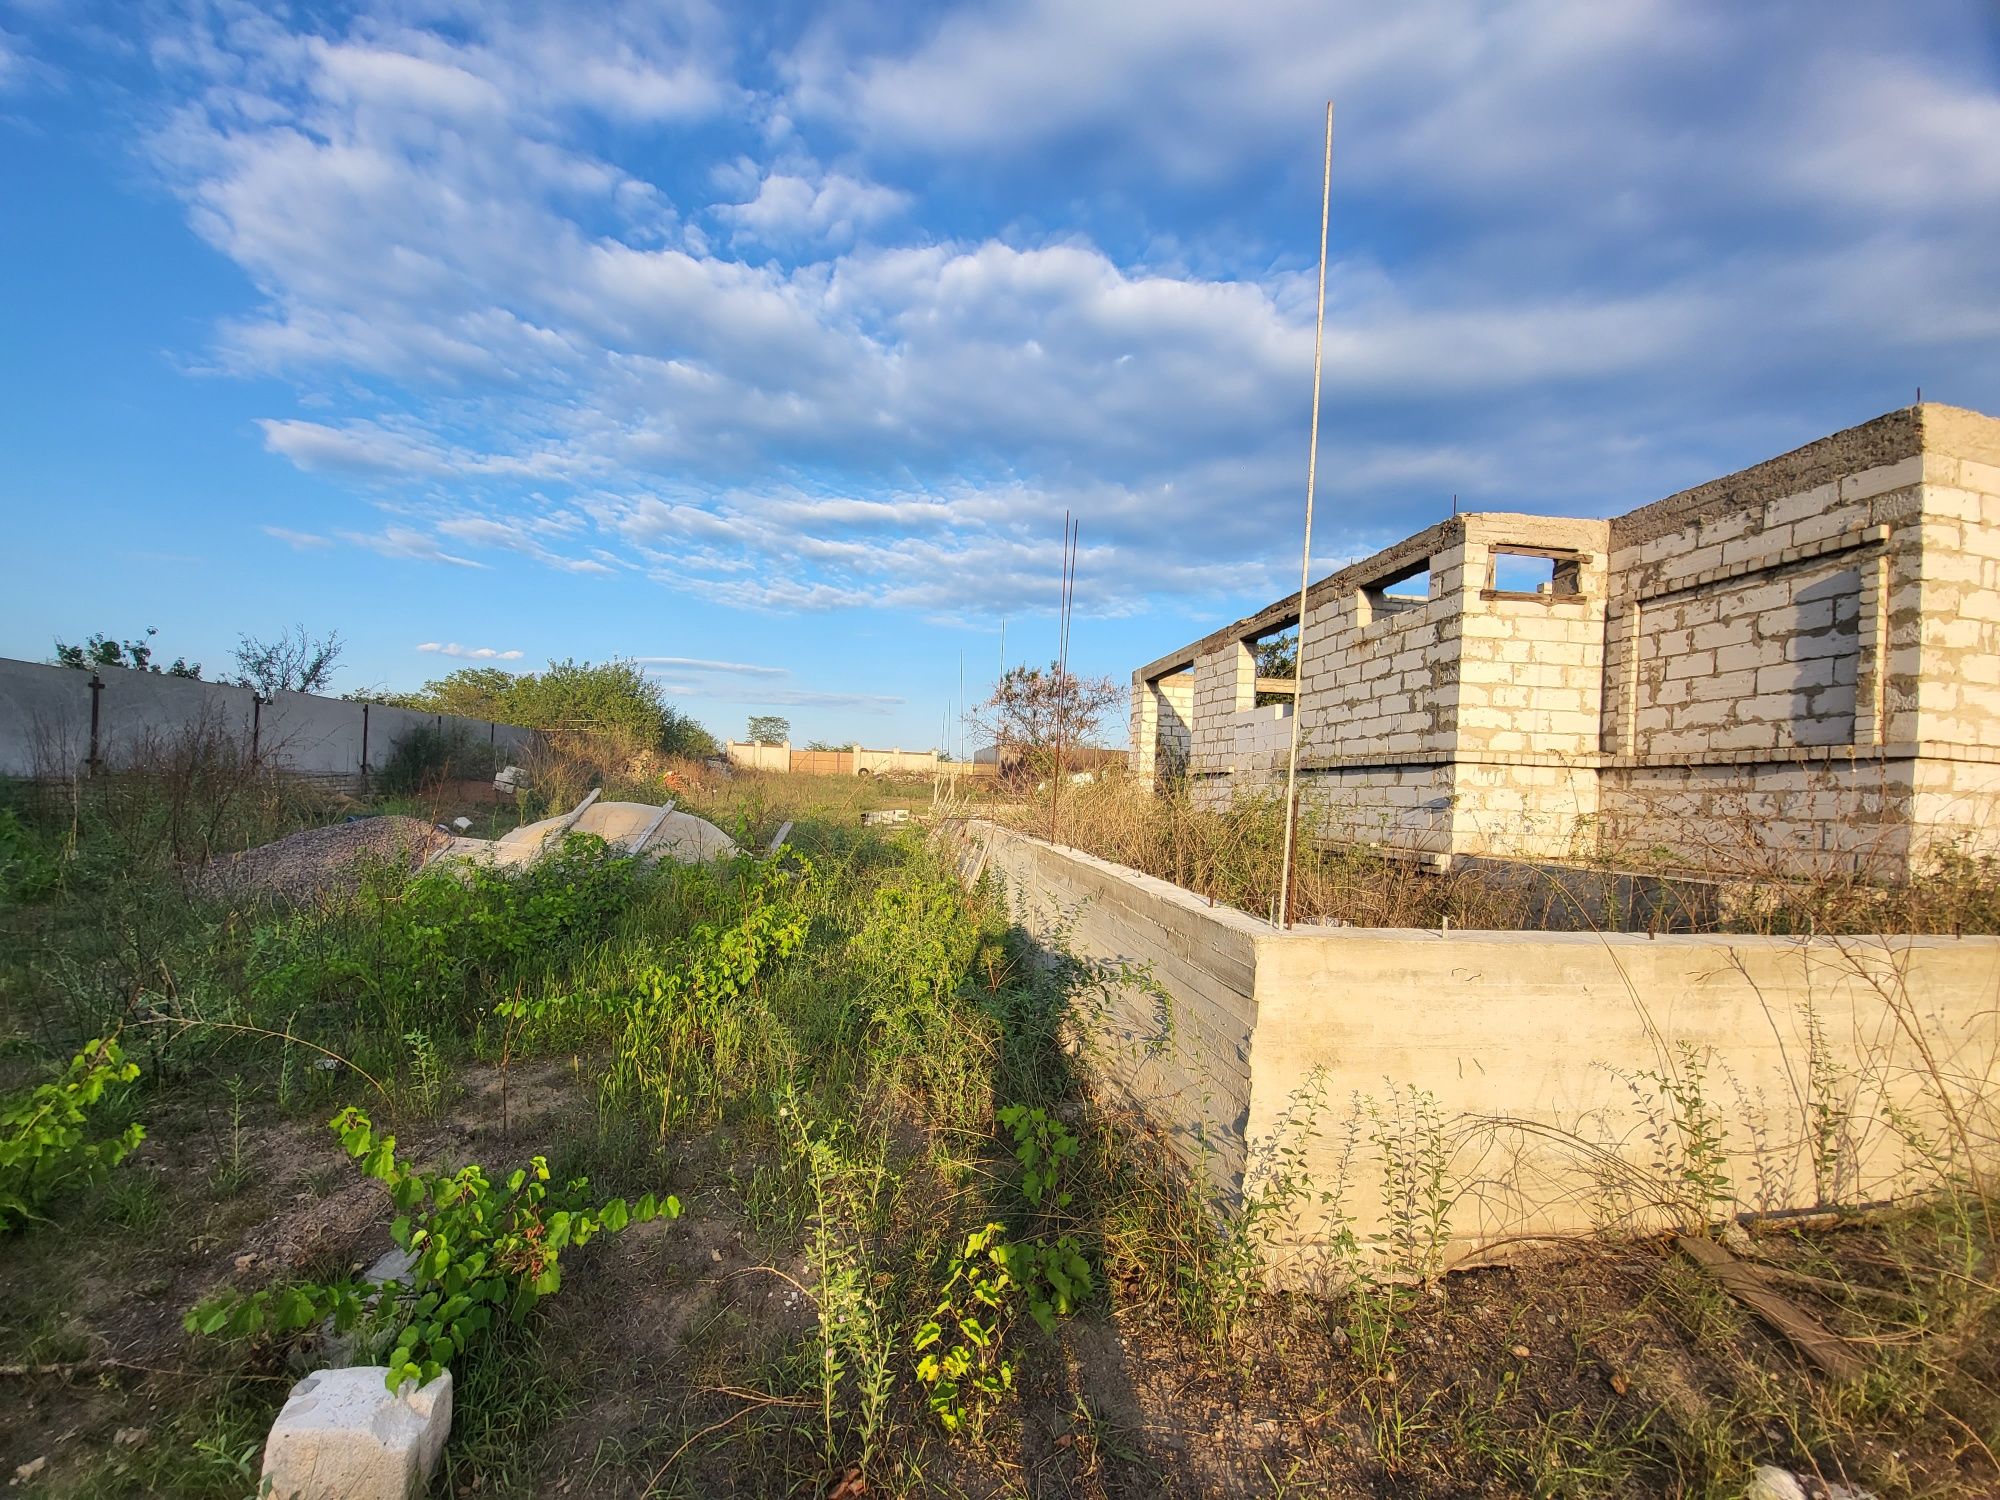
(290, 662)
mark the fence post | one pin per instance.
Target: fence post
(364, 739)
(256, 729)
(96, 691)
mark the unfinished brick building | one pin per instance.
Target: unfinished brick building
(1792, 669)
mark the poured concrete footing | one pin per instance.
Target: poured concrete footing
(1539, 1067)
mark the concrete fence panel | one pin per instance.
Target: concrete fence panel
(46, 723)
(44, 719)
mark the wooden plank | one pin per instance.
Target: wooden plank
(569, 819)
(652, 828)
(1746, 1283)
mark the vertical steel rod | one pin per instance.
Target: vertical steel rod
(1283, 916)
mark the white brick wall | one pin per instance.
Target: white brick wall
(1798, 663)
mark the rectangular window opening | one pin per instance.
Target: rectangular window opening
(1407, 589)
(1524, 572)
(1277, 655)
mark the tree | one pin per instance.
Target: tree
(613, 699)
(470, 692)
(1277, 656)
(1034, 713)
(134, 656)
(293, 662)
(770, 729)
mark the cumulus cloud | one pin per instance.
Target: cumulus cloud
(833, 206)
(468, 653)
(1005, 262)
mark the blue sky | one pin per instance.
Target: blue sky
(769, 344)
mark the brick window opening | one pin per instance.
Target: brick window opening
(1524, 573)
(1407, 589)
(1277, 658)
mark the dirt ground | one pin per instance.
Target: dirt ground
(1589, 1370)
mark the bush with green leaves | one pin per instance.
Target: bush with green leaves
(427, 952)
(482, 1251)
(27, 871)
(427, 755)
(614, 701)
(961, 1348)
(46, 1147)
(683, 1018)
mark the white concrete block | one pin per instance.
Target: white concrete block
(343, 1436)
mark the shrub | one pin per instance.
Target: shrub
(44, 1144)
(427, 755)
(27, 873)
(429, 950)
(481, 1250)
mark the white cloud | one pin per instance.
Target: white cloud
(1626, 230)
(468, 653)
(832, 207)
(404, 542)
(702, 665)
(298, 540)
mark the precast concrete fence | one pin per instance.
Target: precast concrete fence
(855, 760)
(60, 722)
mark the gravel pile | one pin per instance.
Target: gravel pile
(324, 861)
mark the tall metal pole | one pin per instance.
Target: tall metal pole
(1283, 916)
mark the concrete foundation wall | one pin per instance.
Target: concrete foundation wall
(45, 724)
(1546, 1059)
(1168, 1037)
(1799, 664)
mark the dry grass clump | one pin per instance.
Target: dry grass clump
(177, 797)
(1233, 857)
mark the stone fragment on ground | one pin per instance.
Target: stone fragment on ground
(343, 1435)
(1773, 1483)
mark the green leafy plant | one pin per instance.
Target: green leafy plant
(688, 1014)
(1054, 1276)
(27, 872)
(857, 1341)
(962, 1355)
(1691, 1142)
(482, 1251)
(1052, 1272)
(427, 951)
(45, 1145)
(427, 1073)
(1044, 1147)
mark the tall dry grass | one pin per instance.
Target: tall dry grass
(1232, 855)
